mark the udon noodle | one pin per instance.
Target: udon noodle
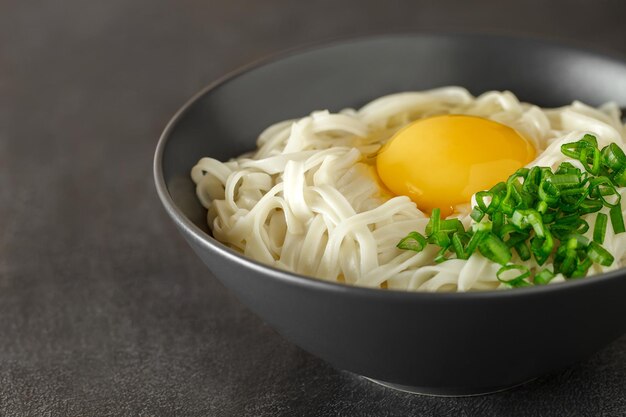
(307, 200)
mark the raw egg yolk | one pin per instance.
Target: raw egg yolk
(441, 161)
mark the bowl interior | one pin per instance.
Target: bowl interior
(225, 120)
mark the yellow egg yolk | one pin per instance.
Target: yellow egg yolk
(441, 161)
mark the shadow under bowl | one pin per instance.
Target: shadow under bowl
(455, 344)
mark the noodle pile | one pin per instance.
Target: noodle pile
(308, 200)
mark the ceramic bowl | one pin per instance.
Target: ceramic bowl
(435, 343)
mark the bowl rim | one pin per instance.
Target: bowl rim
(209, 242)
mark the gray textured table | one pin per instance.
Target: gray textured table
(103, 308)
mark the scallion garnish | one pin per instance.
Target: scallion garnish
(493, 248)
(599, 230)
(617, 220)
(538, 214)
(413, 241)
(543, 277)
(517, 280)
(599, 255)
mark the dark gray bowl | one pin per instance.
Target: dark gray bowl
(435, 343)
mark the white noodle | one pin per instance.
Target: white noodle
(307, 199)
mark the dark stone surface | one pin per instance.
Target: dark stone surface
(104, 310)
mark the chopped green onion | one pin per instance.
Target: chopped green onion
(590, 158)
(433, 224)
(617, 219)
(493, 203)
(413, 241)
(516, 238)
(451, 226)
(548, 217)
(573, 149)
(529, 217)
(477, 214)
(543, 277)
(569, 219)
(517, 280)
(565, 260)
(613, 157)
(458, 246)
(562, 181)
(480, 200)
(497, 222)
(599, 229)
(590, 206)
(602, 186)
(567, 168)
(541, 248)
(522, 251)
(533, 179)
(582, 268)
(520, 173)
(581, 241)
(581, 191)
(582, 226)
(441, 255)
(513, 197)
(491, 247)
(482, 227)
(542, 207)
(439, 239)
(619, 177)
(549, 193)
(499, 188)
(590, 139)
(475, 240)
(599, 255)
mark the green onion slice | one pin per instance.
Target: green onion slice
(613, 157)
(413, 241)
(617, 219)
(599, 230)
(433, 225)
(494, 249)
(599, 255)
(544, 277)
(518, 280)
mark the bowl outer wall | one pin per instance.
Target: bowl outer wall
(479, 340)
(451, 343)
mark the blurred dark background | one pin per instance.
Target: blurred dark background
(103, 308)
